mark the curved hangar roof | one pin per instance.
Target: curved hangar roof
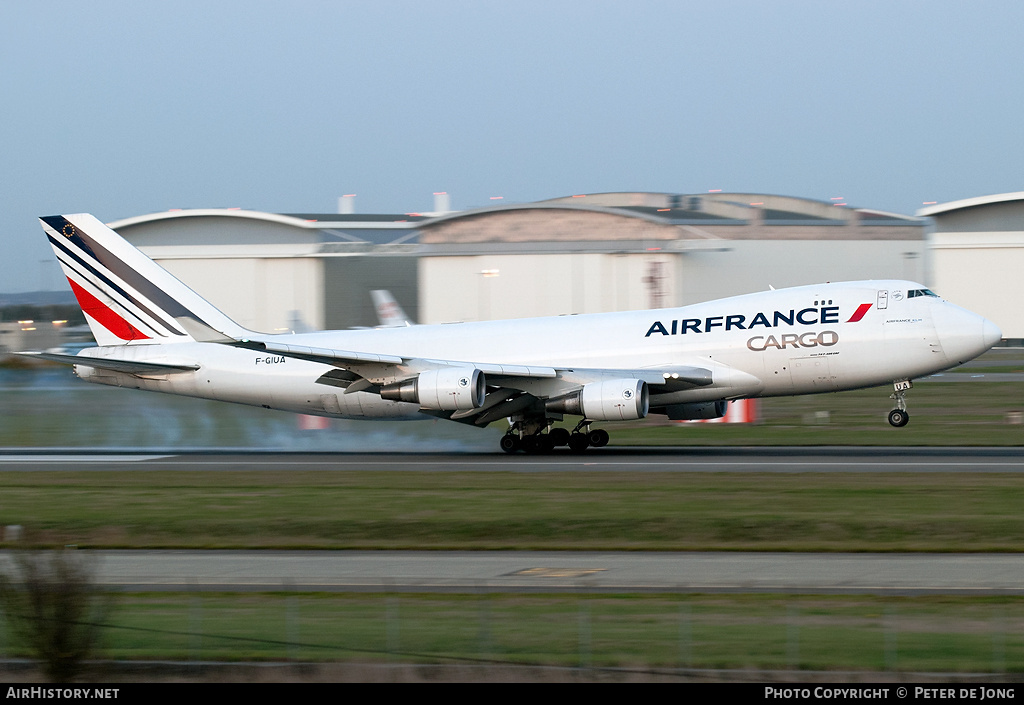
(235, 226)
(971, 203)
(615, 219)
(1001, 212)
(629, 220)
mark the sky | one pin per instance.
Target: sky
(127, 108)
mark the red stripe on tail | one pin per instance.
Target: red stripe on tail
(102, 313)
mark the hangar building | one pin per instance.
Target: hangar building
(977, 250)
(284, 272)
(578, 254)
(623, 251)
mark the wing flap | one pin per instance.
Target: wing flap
(342, 358)
(507, 370)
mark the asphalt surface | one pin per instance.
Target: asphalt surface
(528, 571)
(648, 459)
(558, 571)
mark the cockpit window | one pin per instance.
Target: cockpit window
(921, 292)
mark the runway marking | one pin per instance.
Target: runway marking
(399, 463)
(90, 458)
(557, 572)
(728, 463)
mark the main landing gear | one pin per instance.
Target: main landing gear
(899, 417)
(536, 438)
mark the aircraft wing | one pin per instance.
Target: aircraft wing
(384, 369)
(351, 359)
(511, 394)
(341, 358)
(510, 388)
(129, 366)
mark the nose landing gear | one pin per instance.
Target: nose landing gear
(899, 417)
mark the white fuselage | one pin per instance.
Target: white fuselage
(803, 340)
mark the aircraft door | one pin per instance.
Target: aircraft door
(812, 374)
(883, 299)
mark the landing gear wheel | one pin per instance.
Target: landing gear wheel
(899, 418)
(578, 442)
(559, 437)
(530, 444)
(509, 443)
(598, 438)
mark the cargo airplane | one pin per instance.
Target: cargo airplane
(155, 333)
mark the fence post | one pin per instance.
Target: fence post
(485, 634)
(195, 625)
(793, 636)
(891, 638)
(292, 624)
(685, 636)
(999, 639)
(392, 627)
(584, 630)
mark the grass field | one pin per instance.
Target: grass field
(643, 632)
(941, 414)
(355, 509)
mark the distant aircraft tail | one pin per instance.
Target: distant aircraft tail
(127, 297)
(389, 312)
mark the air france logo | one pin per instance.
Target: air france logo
(807, 317)
(810, 316)
(464, 382)
(627, 394)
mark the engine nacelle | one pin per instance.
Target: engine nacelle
(444, 389)
(613, 400)
(697, 410)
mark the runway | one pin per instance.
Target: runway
(529, 571)
(513, 571)
(781, 459)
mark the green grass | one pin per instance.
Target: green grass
(807, 511)
(941, 414)
(927, 634)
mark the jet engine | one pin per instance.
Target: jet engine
(613, 400)
(444, 389)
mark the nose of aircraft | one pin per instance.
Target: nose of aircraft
(990, 333)
(964, 335)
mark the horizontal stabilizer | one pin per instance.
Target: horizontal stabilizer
(129, 366)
